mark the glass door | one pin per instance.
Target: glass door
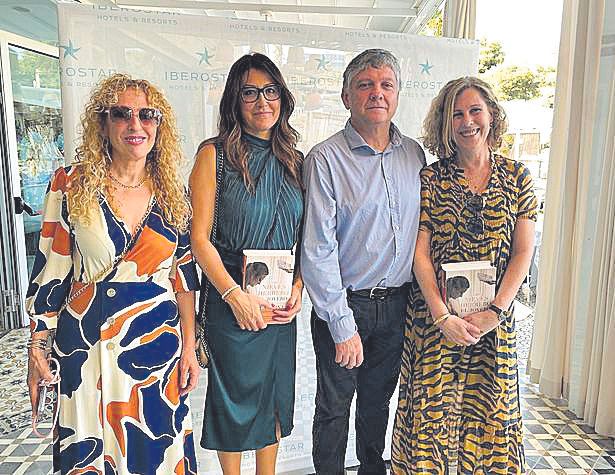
(10, 315)
(35, 80)
(35, 142)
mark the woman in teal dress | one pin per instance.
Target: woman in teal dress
(251, 378)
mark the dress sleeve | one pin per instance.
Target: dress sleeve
(425, 220)
(53, 265)
(183, 270)
(527, 203)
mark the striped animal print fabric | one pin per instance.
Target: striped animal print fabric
(118, 343)
(461, 405)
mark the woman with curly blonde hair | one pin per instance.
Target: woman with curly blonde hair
(94, 158)
(114, 279)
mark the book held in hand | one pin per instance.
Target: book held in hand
(468, 287)
(269, 274)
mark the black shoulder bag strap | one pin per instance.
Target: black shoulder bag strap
(205, 283)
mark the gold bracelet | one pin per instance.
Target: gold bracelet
(228, 291)
(441, 318)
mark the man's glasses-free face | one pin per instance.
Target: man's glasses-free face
(476, 224)
(250, 94)
(148, 116)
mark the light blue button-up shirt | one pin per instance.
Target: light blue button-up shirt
(361, 220)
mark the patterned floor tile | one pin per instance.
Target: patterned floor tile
(556, 441)
(14, 400)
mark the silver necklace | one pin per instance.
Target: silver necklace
(124, 185)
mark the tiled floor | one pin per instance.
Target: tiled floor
(14, 400)
(23, 453)
(556, 441)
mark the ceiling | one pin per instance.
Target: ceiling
(37, 19)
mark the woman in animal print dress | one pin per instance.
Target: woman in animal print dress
(459, 392)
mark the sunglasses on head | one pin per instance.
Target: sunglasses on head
(250, 94)
(476, 223)
(147, 115)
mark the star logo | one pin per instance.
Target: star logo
(69, 50)
(205, 57)
(322, 63)
(425, 67)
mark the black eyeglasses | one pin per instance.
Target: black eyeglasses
(249, 94)
(476, 223)
(147, 115)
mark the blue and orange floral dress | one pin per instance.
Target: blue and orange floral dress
(118, 343)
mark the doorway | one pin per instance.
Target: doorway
(31, 147)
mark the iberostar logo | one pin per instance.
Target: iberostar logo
(70, 50)
(204, 56)
(425, 67)
(323, 62)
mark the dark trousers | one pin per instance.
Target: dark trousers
(381, 326)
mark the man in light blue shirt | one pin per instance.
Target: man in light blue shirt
(361, 223)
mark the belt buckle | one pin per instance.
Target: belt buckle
(377, 293)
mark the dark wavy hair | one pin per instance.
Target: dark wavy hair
(284, 137)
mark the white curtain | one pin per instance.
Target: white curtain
(573, 347)
(459, 19)
(599, 399)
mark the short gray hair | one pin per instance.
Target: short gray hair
(376, 58)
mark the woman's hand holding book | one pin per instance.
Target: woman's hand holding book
(287, 314)
(248, 310)
(460, 331)
(485, 320)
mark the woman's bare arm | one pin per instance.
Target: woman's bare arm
(245, 307)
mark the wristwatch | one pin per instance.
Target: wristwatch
(501, 314)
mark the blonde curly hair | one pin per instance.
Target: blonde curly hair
(93, 161)
(438, 125)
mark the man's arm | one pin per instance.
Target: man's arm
(320, 265)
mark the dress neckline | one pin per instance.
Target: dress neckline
(459, 174)
(142, 221)
(256, 141)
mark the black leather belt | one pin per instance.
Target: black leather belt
(378, 293)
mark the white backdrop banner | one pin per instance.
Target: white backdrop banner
(188, 57)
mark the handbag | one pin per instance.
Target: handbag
(51, 335)
(203, 355)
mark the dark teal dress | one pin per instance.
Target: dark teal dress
(251, 378)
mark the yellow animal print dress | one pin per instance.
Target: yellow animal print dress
(455, 402)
